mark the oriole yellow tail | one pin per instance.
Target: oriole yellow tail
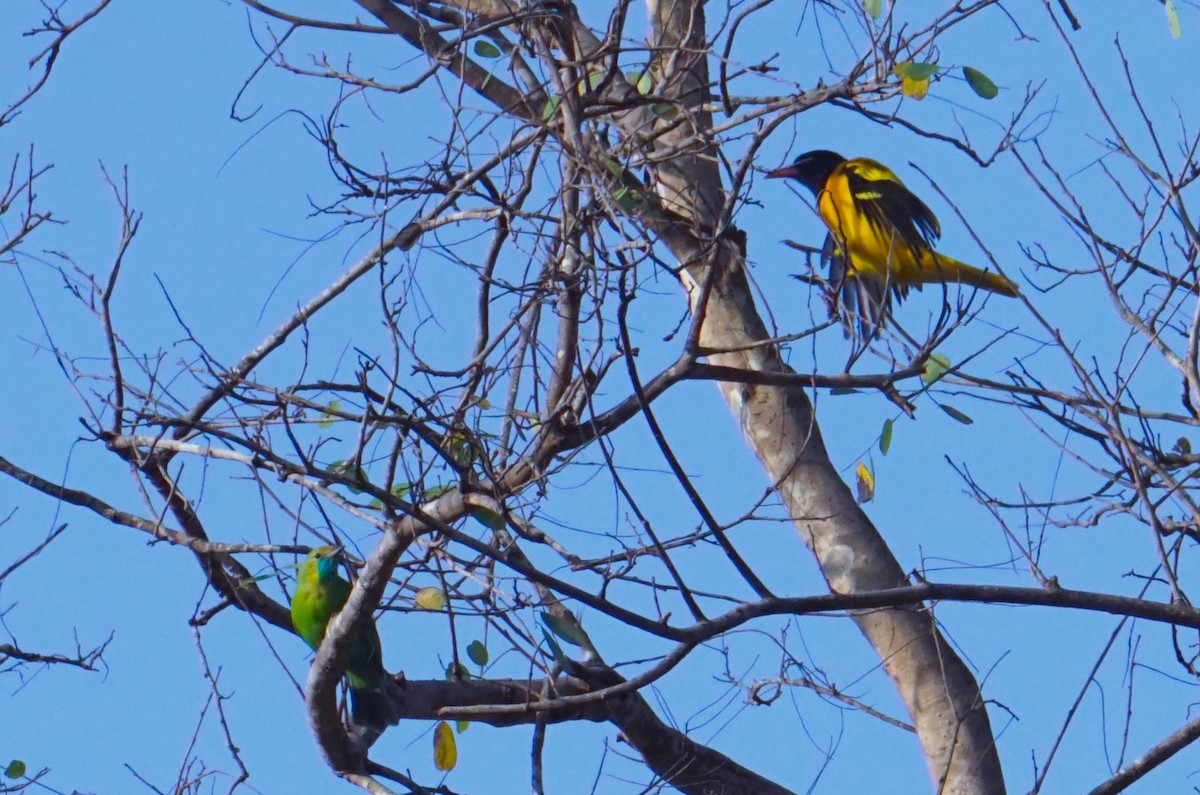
(936, 267)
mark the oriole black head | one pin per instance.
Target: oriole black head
(810, 169)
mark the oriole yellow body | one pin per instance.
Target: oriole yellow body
(881, 236)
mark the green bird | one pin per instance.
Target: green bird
(320, 593)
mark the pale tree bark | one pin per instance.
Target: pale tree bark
(938, 690)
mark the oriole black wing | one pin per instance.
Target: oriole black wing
(891, 208)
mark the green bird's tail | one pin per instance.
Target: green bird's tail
(372, 710)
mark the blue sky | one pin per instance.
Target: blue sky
(228, 235)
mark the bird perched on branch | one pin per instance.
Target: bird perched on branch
(320, 594)
(881, 237)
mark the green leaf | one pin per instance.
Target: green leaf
(935, 368)
(334, 406)
(874, 8)
(15, 769)
(980, 83)
(626, 198)
(956, 414)
(1173, 19)
(916, 70)
(477, 652)
(641, 82)
(492, 521)
(885, 438)
(1182, 446)
(664, 110)
(437, 491)
(551, 107)
(458, 445)
(347, 470)
(461, 726)
(591, 81)
(457, 671)
(568, 629)
(399, 490)
(555, 649)
(485, 49)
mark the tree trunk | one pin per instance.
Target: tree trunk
(937, 688)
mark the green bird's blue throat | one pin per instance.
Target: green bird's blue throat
(327, 568)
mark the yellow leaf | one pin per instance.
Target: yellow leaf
(591, 81)
(460, 448)
(445, 750)
(865, 481)
(915, 76)
(936, 367)
(1173, 19)
(430, 599)
(914, 87)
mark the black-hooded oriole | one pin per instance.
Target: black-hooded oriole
(881, 236)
